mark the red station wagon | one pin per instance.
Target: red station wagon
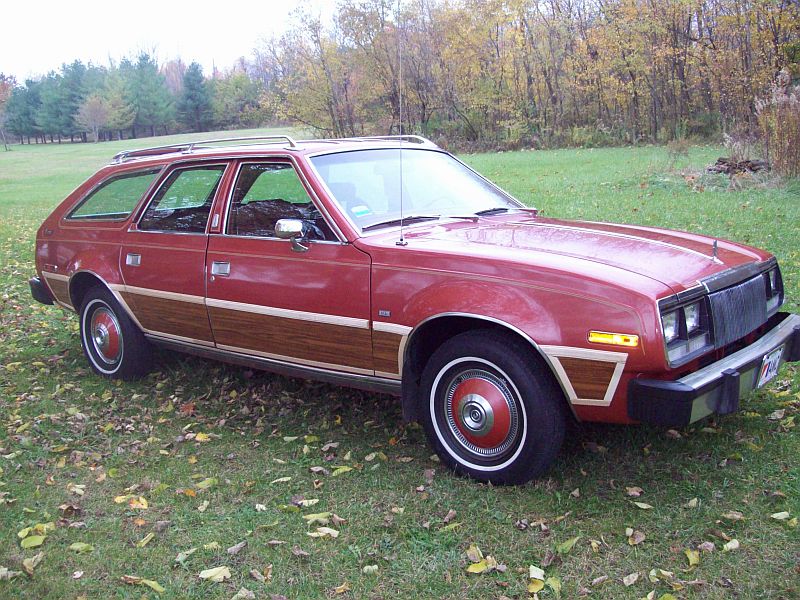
(387, 264)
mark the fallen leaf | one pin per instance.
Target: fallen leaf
(634, 491)
(182, 556)
(243, 594)
(451, 514)
(565, 547)
(29, 564)
(206, 483)
(32, 541)
(202, 437)
(370, 569)
(211, 546)
(731, 546)
(81, 548)
(636, 537)
(203, 506)
(598, 580)
(780, 516)
(216, 575)
(281, 480)
(7, 574)
(341, 470)
(322, 518)
(299, 552)
(341, 589)
(323, 532)
(474, 553)
(236, 548)
(642, 505)
(733, 515)
(629, 580)
(777, 415)
(554, 583)
(693, 503)
(707, 547)
(693, 556)
(258, 576)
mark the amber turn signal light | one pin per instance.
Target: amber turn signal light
(615, 339)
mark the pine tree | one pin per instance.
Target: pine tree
(194, 105)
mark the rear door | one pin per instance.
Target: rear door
(163, 256)
(269, 298)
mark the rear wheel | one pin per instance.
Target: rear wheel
(115, 347)
(492, 411)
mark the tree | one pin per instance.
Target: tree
(149, 96)
(235, 101)
(93, 114)
(7, 85)
(194, 105)
(121, 112)
(21, 110)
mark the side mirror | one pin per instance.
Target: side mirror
(294, 230)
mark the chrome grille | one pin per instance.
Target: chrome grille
(738, 310)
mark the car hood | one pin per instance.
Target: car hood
(676, 259)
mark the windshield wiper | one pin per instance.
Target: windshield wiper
(404, 220)
(493, 211)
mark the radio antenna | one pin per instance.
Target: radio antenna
(402, 241)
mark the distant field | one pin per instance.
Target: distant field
(79, 452)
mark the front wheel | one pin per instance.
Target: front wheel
(115, 347)
(492, 411)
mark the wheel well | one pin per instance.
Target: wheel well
(79, 285)
(430, 336)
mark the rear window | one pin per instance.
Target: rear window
(116, 197)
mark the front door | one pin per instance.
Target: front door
(163, 257)
(271, 298)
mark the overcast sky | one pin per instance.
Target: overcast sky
(37, 36)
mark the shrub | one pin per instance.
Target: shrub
(779, 122)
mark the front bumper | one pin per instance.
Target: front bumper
(39, 291)
(716, 388)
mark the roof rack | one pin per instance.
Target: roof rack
(417, 139)
(188, 147)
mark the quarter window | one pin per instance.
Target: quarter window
(184, 201)
(116, 197)
(267, 192)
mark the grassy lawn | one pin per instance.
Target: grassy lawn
(221, 455)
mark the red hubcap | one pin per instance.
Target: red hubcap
(105, 335)
(482, 413)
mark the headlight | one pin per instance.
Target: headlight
(692, 314)
(669, 322)
(774, 288)
(687, 331)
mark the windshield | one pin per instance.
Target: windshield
(366, 184)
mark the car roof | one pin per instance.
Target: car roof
(261, 145)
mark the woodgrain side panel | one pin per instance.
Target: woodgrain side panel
(589, 378)
(173, 317)
(386, 349)
(308, 341)
(60, 289)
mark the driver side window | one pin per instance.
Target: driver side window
(267, 192)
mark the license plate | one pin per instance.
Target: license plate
(770, 365)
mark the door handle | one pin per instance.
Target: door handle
(221, 268)
(133, 260)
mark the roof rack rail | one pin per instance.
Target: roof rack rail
(188, 147)
(417, 139)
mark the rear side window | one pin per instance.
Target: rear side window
(116, 197)
(183, 201)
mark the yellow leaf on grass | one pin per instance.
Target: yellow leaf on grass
(342, 589)
(474, 553)
(554, 583)
(206, 483)
(693, 556)
(29, 564)
(153, 585)
(565, 547)
(341, 470)
(81, 547)
(138, 502)
(323, 532)
(309, 502)
(216, 575)
(281, 480)
(145, 540)
(478, 567)
(731, 546)
(202, 437)
(642, 505)
(535, 586)
(322, 518)
(780, 516)
(32, 541)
